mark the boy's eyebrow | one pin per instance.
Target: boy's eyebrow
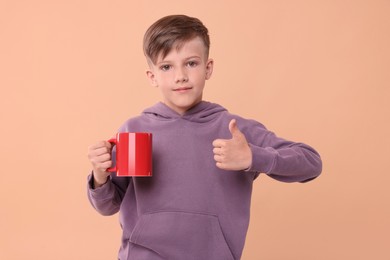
(192, 57)
(187, 58)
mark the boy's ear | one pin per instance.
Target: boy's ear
(209, 68)
(151, 78)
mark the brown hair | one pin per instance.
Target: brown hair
(172, 31)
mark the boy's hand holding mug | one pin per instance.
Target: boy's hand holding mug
(233, 154)
(99, 155)
(133, 157)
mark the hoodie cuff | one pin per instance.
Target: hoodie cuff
(101, 193)
(263, 159)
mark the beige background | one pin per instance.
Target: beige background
(71, 71)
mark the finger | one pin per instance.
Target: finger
(106, 144)
(218, 150)
(103, 166)
(218, 158)
(98, 145)
(219, 143)
(233, 128)
(106, 165)
(104, 157)
(96, 161)
(221, 165)
(98, 152)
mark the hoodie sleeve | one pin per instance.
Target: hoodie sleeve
(107, 198)
(281, 159)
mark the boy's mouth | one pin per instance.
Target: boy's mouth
(182, 89)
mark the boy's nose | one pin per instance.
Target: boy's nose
(181, 76)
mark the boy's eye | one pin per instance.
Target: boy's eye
(192, 63)
(165, 67)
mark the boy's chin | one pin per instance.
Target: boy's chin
(183, 108)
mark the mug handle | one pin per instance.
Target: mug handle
(113, 142)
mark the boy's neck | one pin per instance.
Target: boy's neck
(179, 111)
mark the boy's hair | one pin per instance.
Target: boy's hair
(173, 31)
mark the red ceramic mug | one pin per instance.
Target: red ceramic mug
(133, 154)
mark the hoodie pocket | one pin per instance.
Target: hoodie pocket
(182, 235)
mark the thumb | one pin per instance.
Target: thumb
(233, 128)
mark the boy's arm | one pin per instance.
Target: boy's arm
(286, 161)
(105, 190)
(107, 198)
(280, 159)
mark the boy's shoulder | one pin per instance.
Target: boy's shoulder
(243, 121)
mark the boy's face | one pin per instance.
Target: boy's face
(181, 75)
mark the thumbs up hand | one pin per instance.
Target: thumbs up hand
(235, 153)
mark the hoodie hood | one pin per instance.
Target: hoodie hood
(202, 112)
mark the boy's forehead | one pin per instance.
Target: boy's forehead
(191, 47)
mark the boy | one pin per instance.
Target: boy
(196, 205)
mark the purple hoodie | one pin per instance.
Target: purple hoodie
(190, 209)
